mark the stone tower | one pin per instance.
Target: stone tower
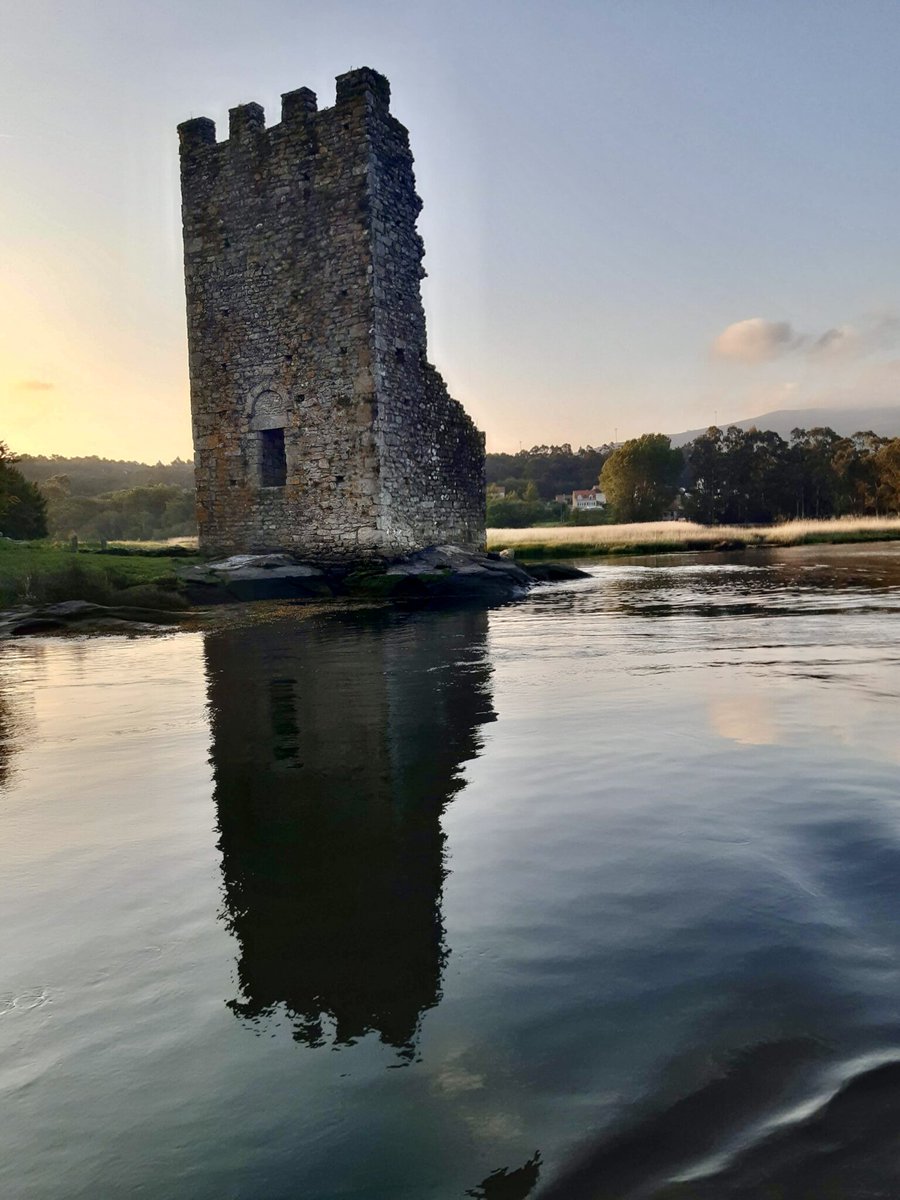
(320, 427)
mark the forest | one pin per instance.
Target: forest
(725, 476)
(96, 498)
(754, 476)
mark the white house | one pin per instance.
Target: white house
(588, 498)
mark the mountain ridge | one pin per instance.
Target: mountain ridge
(883, 420)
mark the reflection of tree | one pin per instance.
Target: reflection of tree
(336, 744)
(10, 736)
(6, 747)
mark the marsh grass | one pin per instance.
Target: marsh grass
(44, 573)
(667, 537)
(178, 546)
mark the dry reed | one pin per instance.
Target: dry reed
(667, 536)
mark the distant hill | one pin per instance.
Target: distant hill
(94, 476)
(844, 421)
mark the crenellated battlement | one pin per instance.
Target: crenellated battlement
(246, 122)
(300, 105)
(196, 134)
(366, 83)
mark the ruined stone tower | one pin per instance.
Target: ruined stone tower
(320, 427)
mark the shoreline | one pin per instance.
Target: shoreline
(182, 590)
(437, 576)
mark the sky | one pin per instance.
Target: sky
(639, 215)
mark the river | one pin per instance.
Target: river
(591, 895)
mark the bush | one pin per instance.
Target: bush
(516, 514)
(71, 582)
(596, 516)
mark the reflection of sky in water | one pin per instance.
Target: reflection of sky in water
(803, 711)
(654, 897)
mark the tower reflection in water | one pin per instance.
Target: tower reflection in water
(337, 741)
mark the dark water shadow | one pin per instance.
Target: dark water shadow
(848, 1149)
(337, 742)
(506, 1184)
(652, 1146)
(735, 1137)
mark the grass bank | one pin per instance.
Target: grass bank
(44, 573)
(667, 537)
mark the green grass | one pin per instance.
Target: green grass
(44, 573)
(670, 537)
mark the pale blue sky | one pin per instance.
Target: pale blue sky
(607, 187)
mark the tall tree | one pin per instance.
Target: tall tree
(887, 461)
(813, 451)
(23, 510)
(640, 478)
(706, 476)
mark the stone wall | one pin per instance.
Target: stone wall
(319, 426)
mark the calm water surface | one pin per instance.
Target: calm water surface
(594, 895)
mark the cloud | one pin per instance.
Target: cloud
(842, 342)
(33, 385)
(877, 331)
(756, 340)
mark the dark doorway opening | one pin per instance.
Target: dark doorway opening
(272, 459)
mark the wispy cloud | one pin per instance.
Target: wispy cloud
(758, 340)
(876, 331)
(33, 385)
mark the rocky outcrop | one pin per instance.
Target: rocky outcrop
(83, 616)
(254, 577)
(437, 573)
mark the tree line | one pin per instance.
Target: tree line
(94, 498)
(551, 469)
(152, 512)
(753, 476)
(531, 479)
(93, 476)
(724, 476)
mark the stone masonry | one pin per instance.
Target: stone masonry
(320, 428)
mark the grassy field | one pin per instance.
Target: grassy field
(43, 572)
(665, 537)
